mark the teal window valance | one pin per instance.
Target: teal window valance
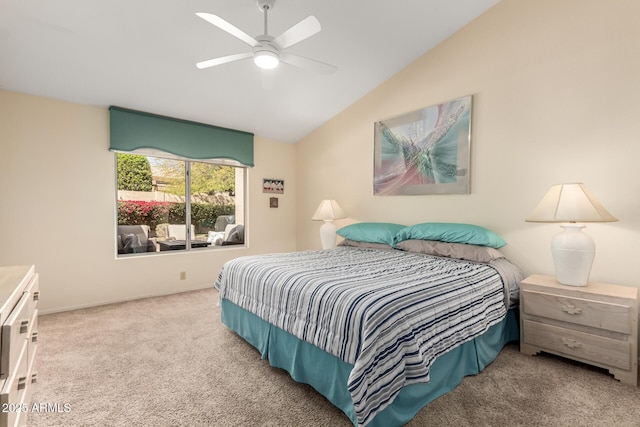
(145, 133)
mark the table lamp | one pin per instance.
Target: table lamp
(327, 212)
(572, 250)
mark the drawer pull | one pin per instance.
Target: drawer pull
(571, 343)
(34, 377)
(571, 309)
(24, 326)
(36, 296)
(22, 383)
(34, 337)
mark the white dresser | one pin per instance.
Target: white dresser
(595, 324)
(19, 294)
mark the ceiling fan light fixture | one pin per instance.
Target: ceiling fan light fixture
(266, 60)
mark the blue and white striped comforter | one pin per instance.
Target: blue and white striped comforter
(388, 313)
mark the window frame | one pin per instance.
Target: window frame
(243, 190)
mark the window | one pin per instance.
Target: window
(180, 184)
(164, 204)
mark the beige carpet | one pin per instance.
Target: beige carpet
(168, 361)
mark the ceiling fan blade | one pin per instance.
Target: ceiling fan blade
(306, 63)
(229, 28)
(302, 30)
(223, 60)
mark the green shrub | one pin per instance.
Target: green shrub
(134, 173)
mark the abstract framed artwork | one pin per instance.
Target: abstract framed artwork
(425, 151)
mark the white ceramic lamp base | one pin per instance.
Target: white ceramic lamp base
(328, 234)
(573, 252)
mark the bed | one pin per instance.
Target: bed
(383, 324)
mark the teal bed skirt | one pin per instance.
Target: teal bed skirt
(328, 374)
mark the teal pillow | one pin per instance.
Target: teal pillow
(452, 233)
(371, 232)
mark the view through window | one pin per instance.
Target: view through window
(174, 205)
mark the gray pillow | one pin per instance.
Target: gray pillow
(451, 250)
(366, 245)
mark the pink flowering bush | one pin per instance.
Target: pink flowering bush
(137, 212)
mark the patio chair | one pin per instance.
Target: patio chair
(222, 221)
(135, 239)
(177, 232)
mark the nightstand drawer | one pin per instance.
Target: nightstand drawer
(597, 314)
(588, 347)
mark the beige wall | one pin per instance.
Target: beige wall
(58, 208)
(555, 99)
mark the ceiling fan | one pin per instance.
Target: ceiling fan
(268, 52)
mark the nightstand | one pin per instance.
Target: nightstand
(595, 324)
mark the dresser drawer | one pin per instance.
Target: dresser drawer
(32, 337)
(14, 334)
(588, 347)
(34, 292)
(597, 314)
(13, 393)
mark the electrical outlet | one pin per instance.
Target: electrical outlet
(183, 275)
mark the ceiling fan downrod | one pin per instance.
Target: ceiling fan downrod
(265, 55)
(265, 6)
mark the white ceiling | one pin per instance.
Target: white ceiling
(141, 54)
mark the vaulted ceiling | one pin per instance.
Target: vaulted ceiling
(141, 55)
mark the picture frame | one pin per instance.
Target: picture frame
(423, 152)
(275, 186)
(273, 202)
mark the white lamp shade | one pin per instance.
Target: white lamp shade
(328, 210)
(570, 203)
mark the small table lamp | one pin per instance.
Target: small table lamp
(572, 250)
(327, 212)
